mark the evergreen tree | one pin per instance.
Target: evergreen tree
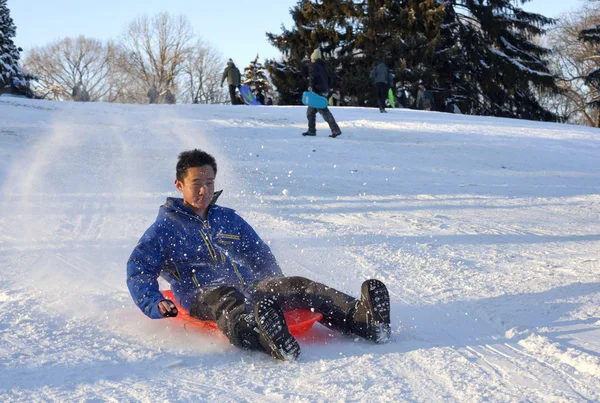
(317, 25)
(478, 53)
(502, 64)
(255, 78)
(591, 35)
(9, 53)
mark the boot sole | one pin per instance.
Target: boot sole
(378, 298)
(274, 333)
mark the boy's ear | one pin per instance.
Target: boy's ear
(179, 185)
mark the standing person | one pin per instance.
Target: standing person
(234, 78)
(335, 98)
(220, 270)
(382, 77)
(170, 97)
(80, 93)
(424, 98)
(419, 102)
(76, 93)
(319, 81)
(401, 97)
(152, 94)
(260, 97)
(269, 101)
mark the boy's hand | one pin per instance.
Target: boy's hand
(167, 308)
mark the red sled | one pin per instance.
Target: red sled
(299, 321)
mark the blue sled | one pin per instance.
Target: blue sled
(314, 100)
(248, 96)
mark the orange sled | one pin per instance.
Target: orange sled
(299, 321)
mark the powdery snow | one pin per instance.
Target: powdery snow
(486, 231)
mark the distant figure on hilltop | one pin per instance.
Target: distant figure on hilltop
(234, 78)
(319, 81)
(383, 79)
(424, 98)
(170, 97)
(401, 98)
(153, 95)
(80, 93)
(260, 97)
(335, 98)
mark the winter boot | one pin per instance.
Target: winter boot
(382, 110)
(309, 134)
(274, 334)
(370, 318)
(334, 135)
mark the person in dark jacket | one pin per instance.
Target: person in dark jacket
(219, 269)
(260, 97)
(234, 78)
(80, 93)
(153, 94)
(319, 81)
(383, 79)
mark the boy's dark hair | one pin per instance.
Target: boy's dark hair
(193, 159)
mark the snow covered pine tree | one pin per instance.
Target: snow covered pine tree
(9, 53)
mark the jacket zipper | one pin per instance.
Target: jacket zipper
(211, 250)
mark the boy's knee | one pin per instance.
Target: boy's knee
(298, 282)
(212, 303)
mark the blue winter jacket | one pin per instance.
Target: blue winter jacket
(191, 253)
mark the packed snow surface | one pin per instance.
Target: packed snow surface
(485, 230)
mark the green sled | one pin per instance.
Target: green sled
(391, 98)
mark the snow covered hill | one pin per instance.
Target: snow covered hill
(486, 231)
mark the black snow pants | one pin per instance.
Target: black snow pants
(383, 90)
(311, 114)
(233, 311)
(232, 89)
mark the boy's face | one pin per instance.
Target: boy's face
(198, 188)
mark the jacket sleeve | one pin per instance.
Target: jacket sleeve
(224, 76)
(257, 253)
(143, 268)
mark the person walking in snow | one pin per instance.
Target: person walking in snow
(383, 79)
(234, 78)
(220, 270)
(319, 81)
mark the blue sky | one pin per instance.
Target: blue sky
(235, 27)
